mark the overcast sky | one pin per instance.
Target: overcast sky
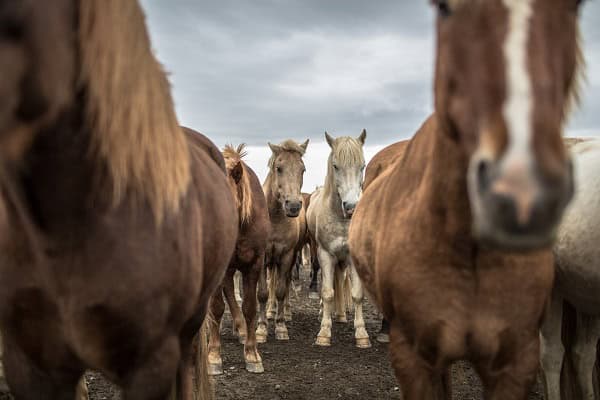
(267, 70)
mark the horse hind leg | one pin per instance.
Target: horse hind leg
(217, 308)
(272, 286)
(262, 327)
(340, 295)
(239, 325)
(360, 332)
(552, 350)
(313, 288)
(583, 353)
(251, 355)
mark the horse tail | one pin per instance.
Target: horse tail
(569, 387)
(204, 382)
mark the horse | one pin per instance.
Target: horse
(577, 283)
(288, 228)
(254, 226)
(376, 167)
(117, 224)
(305, 248)
(453, 241)
(328, 217)
(313, 287)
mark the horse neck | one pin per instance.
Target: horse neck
(331, 197)
(276, 213)
(60, 180)
(442, 188)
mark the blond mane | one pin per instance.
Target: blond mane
(244, 199)
(129, 107)
(347, 151)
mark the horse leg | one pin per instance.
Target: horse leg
(239, 327)
(271, 306)
(514, 380)
(417, 380)
(313, 288)
(584, 353)
(28, 382)
(552, 350)
(237, 284)
(328, 264)
(339, 288)
(360, 332)
(251, 355)
(287, 308)
(282, 290)
(217, 308)
(263, 296)
(384, 334)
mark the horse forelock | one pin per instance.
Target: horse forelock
(290, 146)
(347, 152)
(129, 108)
(244, 198)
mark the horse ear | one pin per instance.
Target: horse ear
(329, 139)
(237, 172)
(363, 136)
(305, 144)
(274, 148)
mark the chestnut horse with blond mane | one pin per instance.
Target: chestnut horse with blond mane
(254, 228)
(453, 240)
(288, 229)
(117, 224)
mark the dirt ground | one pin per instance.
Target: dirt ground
(298, 369)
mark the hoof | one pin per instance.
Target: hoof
(282, 335)
(363, 343)
(270, 315)
(314, 295)
(255, 367)
(215, 369)
(261, 338)
(323, 341)
(287, 318)
(383, 338)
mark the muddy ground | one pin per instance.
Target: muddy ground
(300, 370)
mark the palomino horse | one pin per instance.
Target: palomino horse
(313, 259)
(328, 220)
(248, 258)
(486, 174)
(117, 225)
(288, 229)
(577, 282)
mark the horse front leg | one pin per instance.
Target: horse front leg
(584, 353)
(263, 296)
(282, 291)
(328, 263)
(360, 332)
(552, 350)
(251, 355)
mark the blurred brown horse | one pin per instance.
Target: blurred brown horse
(288, 229)
(116, 224)
(487, 173)
(249, 257)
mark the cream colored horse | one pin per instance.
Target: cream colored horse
(577, 252)
(328, 218)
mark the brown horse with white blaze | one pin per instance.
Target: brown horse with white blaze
(434, 238)
(117, 225)
(288, 229)
(254, 228)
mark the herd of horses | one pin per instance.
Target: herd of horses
(121, 231)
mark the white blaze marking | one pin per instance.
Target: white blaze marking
(519, 102)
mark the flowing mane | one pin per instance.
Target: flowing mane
(347, 151)
(244, 199)
(129, 108)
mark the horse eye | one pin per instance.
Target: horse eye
(335, 167)
(443, 8)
